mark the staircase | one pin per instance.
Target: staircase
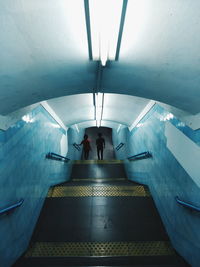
(99, 218)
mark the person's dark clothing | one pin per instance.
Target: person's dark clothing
(86, 148)
(100, 143)
(86, 154)
(86, 144)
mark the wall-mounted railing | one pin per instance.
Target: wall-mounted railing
(119, 146)
(11, 208)
(187, 204)
(77, 146)
(142, 155)
(55, 156)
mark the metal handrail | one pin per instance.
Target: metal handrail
(52, 155)
(119, 146)
(12, 207)
(187, 204)
(77, 146)
(142, 155)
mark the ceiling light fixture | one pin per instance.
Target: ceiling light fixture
(99, 99)
(105, 24)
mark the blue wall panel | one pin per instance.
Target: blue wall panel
(121, 137)
(75, 137)
(165, 177)
(26, 174)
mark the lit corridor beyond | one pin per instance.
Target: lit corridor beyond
(99, 213)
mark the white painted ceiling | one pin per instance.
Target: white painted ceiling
(79, 109)
(44, 54)
(109, 124)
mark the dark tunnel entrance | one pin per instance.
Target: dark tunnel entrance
(106, 132)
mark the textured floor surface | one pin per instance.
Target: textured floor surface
(99, 218)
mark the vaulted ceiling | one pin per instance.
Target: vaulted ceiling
(79, 109)
(44, 54)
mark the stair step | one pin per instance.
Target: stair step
(114, 161)
(107, 224)
(98, 191)
(164, 261)
(100, 249)
(97, 180)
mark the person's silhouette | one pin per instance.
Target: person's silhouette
(86, 146)
(100, 143)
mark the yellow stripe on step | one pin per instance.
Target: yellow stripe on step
(98, 191)
(78, 249)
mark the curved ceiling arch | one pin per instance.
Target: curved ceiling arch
(44, 53)
(79, 108)
(88, 124)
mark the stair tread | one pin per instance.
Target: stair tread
(85, 215)
(104, 261)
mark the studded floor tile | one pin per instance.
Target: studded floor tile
(67, 249)
(98, 191)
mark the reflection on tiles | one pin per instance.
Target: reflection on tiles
(27, 174)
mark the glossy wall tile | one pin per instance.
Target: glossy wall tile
(25, 173)
(165, 177)
(76, 137)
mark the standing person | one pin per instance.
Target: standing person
(86, 146)
(100, 143)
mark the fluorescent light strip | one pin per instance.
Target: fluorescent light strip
(119, 127)
(99, 108)
(105, 16)
(98, 123)
(76, 126)
(150, 104)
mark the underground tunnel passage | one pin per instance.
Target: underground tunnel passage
(128, 69)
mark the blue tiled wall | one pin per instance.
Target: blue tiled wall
(165, 177)
(74, 137)
(121, 137)
(26, 174)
